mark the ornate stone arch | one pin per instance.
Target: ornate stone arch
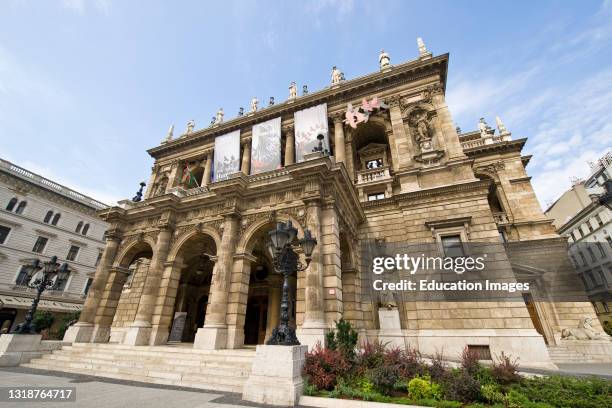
(255, 226)
(181, 239)
(130, 249)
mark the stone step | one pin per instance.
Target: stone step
(129, 354)
(161, 358)
(165, 349)
(241, 370)
(205, 385)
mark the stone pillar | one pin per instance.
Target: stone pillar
(339, 145)
(237, 299)
(139, 333)
(82, 331)
(207, 169)
(213, 335)
(314, 327)
(401, 145)
(108, 304)
(274, 298)
(164, 306)
(246, 158)
(449, 131)
(149, 192)
(289, 147)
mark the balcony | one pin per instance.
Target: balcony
(373, 175)
(501, 218)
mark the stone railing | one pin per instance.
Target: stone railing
(372, 175)
(268, 175)
(470, 144)
(501, 218)
(50, 185)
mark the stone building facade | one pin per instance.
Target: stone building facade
(404, 175)
(40, 218)
(587, 225)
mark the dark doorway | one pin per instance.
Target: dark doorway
(201, 316)
(256, 320)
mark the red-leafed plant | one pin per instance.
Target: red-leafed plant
(322, 367)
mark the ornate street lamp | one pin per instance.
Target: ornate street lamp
(41, 278)
(286, 262)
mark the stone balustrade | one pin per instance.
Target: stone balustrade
(372, 175)
(501, 218)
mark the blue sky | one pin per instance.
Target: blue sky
(86, 86)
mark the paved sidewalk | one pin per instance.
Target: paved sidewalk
(93, 392)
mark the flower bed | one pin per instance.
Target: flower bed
(377, 373)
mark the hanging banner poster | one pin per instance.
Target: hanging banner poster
(309, 123)
(227, 155)
(266, 146)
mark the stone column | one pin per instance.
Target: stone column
(164, 305)
(174, 175)
(149, 192)
(449, 131)
(207, 169)
(108, 304)
(246, 158)
(213, 335)
(82, 332)
(314, 327)
(139, 333)
(339, 145)
(237, 299)
(274, 298)
(289, 147)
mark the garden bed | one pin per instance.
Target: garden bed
(376, 373)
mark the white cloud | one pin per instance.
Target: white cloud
(79, 6)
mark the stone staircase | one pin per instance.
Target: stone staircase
(564, 354)
(179, 365)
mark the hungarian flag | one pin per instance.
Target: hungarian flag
(188, 177)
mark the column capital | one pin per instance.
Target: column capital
(312, 201)
(245, 256)
(338, 117)
(287, 129)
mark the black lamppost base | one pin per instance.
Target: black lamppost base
(283, 335)
(23, 328)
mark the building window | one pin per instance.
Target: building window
(4, 231)
(88, 285)
(578, 234)
(452, 246)
(591, 254)
(98, 259)
(502, 236)
(584, 261)
(609, 239)
(56, 219)
(48, 217)
(60, 284)
(40, 245)
(602, 252)
(85, 229)
(605, 307)
(23, 278)
(592, 279)
(11, 204)
(376, 196)
(78, 227)
(589, 226)
(21, 207)
(72, 253)
(584, 282)
(599, 220)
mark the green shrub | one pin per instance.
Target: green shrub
(309, 389)
(420, 388)
(567, 391)
(343, 338)
(365, 385)
(371, 355)
(322, 367)
(66, 321)
(492, 394)
(43, 319)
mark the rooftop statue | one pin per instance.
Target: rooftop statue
(500, 126)
(384, 60)
(190, 126)
(336, 76)
(170, 134)
(422, 49)
(219, 118)
(484, 128)
(254, 103)
(292, 90)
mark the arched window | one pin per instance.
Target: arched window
(56, 219)
(21, 207)
(79, 226)
(11, 204)
(48, 216)
(85, 229)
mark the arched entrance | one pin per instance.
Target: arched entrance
(264, 291)
(196, 260)
(128, 279)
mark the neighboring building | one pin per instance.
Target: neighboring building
(189, 262)
(40, 218)
(587, 224)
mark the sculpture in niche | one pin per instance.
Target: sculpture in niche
(161, 187)
(421, 129)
